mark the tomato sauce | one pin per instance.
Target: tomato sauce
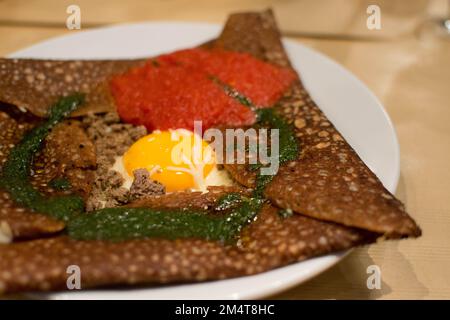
(174, 90)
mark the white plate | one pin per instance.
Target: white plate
(348, 103)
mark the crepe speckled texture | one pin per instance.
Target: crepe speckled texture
(35, 85)
(67, 153)
(328, 181)
(19, 222)
(270, 241)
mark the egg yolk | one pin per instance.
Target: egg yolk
(179, 159)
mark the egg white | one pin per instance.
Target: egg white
(215, 178)
(120, 168)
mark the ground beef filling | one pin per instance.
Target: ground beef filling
(111, 139)
(143, 186)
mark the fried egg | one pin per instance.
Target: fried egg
(179, 159)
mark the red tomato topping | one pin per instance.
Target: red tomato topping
(176, 89)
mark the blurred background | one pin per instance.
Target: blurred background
(339, 18)
(406, 63)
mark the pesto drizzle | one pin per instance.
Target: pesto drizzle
(116, 224)
(288, 146)
(15, 174)
(266, 117)
(229, 201)
(60, 184)
(233, 93)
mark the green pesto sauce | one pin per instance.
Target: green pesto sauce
(266, 117)
(60, 184)
(229, 201)
(288, 146)
(15, 174)
(233, 93)
(288, 142)
(117, 224)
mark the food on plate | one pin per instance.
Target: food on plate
(102, 167)
(185, 76)
(178, 159)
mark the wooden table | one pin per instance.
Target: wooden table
(409, 73)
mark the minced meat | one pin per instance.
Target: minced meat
(143, 186)
(111, 139)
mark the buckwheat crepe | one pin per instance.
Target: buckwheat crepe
(338, 202)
